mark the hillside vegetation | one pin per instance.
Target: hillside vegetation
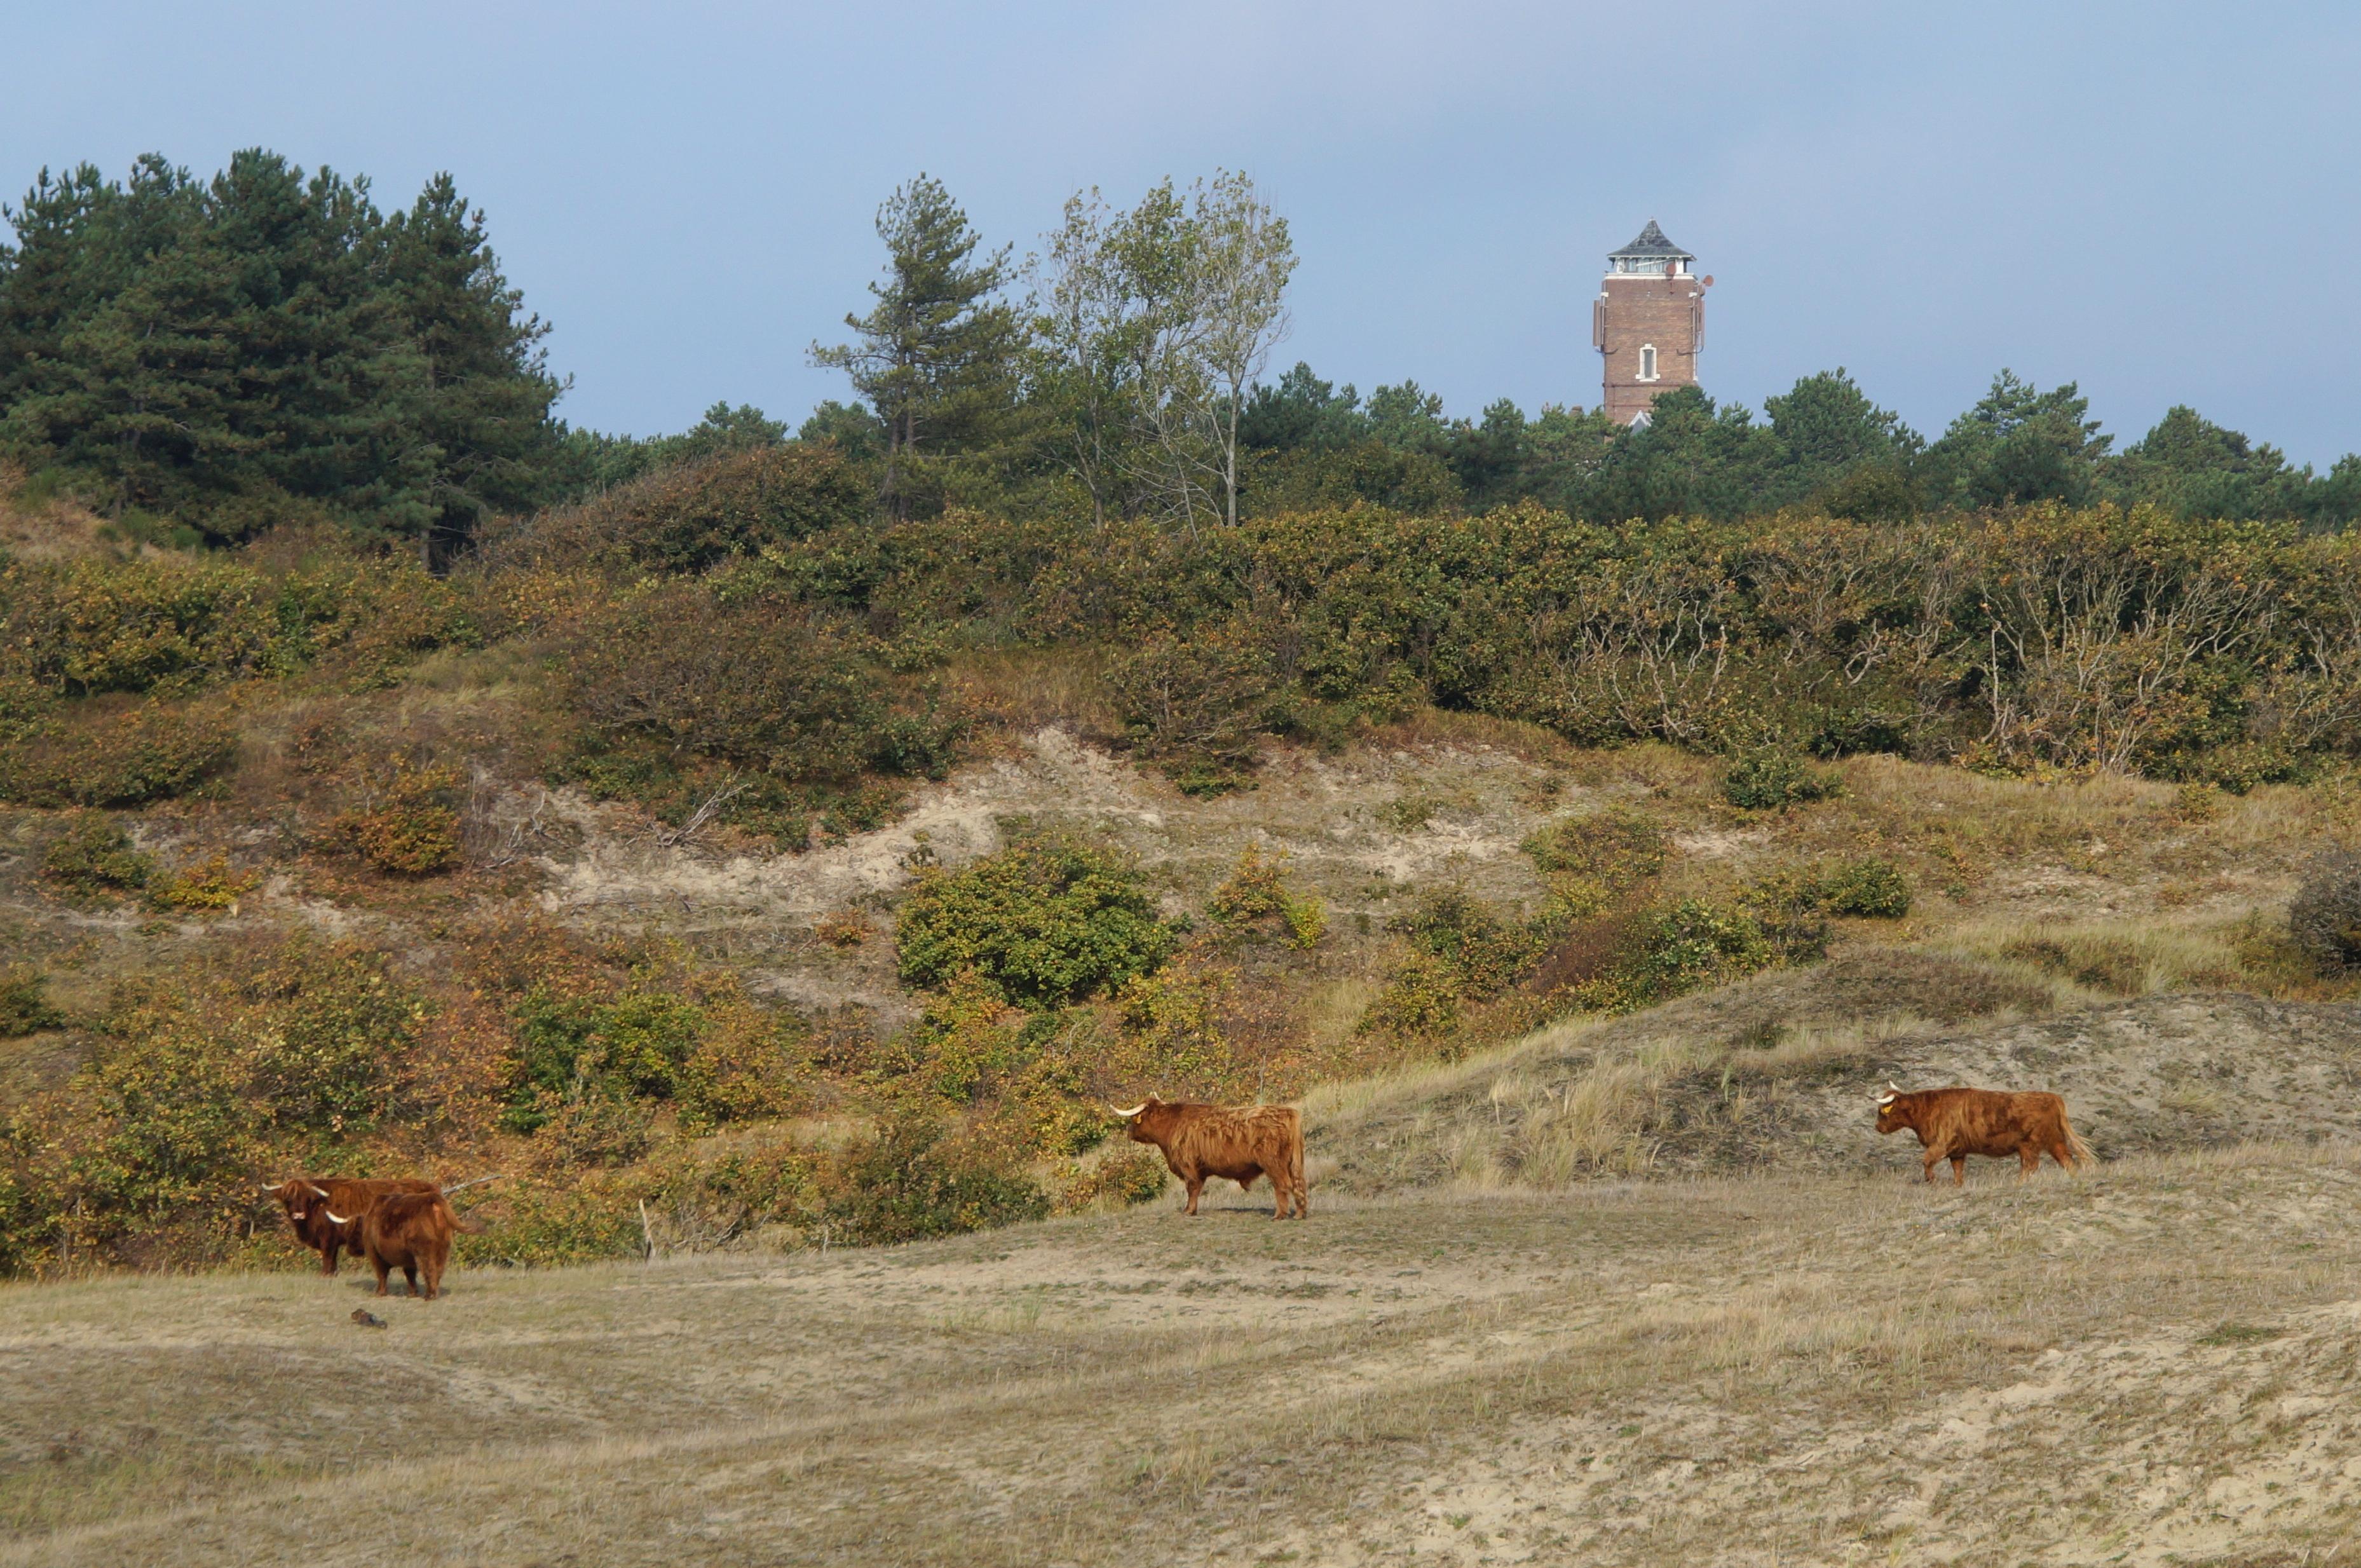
(723, 863)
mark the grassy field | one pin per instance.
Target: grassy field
(2152, 1364)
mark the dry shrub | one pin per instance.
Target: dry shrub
(412, 828)
(115, 756)
(24, 1005)
(844, 928)
(2101, 964)
(2326, 915)
(1195, 706)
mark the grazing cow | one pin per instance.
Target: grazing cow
(1239, 1142)
(1953, 1124)
(307, 1203)
(408, 1230)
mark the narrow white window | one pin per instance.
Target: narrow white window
(1647, 362)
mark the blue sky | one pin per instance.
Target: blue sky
(2160, 201)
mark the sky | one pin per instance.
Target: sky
(2157, 201)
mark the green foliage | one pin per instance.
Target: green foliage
(266, 347)
(1599, 857)
(1769, 779)
(574, 1051)
(1871, 888)
(94, 854)
(25, 1007)
(733, 502)
(1257, 901)
(1048, 921)
(1462, 950)
(1684, 946)
(911, 1181)
(2324, 918)
(937, 358)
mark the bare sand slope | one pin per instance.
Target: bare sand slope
(2152, 1364)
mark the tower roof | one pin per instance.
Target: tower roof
(1651, 244)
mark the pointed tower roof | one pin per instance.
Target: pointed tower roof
(1651, 244)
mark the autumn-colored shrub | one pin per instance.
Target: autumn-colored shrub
(1596, 858)
(1196, 705)
(126, 757)
(208, 887)
(1256, 902)
(1682, 947)
(412, 828)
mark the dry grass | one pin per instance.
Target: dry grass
(1829, 1370)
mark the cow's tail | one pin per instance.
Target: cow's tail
(2074, 1143)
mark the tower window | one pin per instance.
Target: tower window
(1648, 362)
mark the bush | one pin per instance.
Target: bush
(207, 888)
(1613, 851)
(1195, 706)
(2324, 918)
(1485, 952)
(147, 753)
(574, 1049)
(1769, 779)
(692, 516)
(94, 855)
(1125, 1177)
(910, 1182)
(1681, 948)
(1046, 922)
(1869, 889)
(414, 830)
(23, 1007)
(1257, 901)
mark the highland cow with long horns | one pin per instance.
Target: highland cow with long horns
(1239, 1143)
(1953, 1124)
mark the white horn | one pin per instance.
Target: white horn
(336, 1218)
(1127, 1115)
(271, 1187)
(317, 1187)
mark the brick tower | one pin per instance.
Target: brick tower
(1647, 324)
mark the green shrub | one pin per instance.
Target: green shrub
(910, 1182)
(1126, 1177)
(576, 1050)
(1045, 921)
(1684, 946)
(94, 854)
(2324, 918)
(1487, 953)
(1768, 779)
(1869, 889)
(1617, 849)
(23, 1007)
(1420, 1001)
(1257, 901)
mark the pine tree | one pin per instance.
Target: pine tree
(937, 357)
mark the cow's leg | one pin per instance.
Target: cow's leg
(1959, 1171)
(409, 1275)
(1196, 1186)
(383, 1268)
(1934, 1153)
(434, 1278)
(328, 1258)
(1283, 1193)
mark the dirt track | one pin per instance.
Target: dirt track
(2152, 1364)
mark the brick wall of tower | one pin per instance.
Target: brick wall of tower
(1639, 310)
